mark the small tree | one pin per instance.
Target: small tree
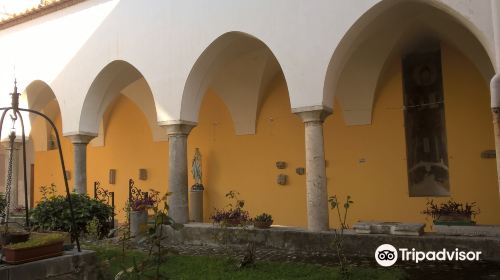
(338, 241)
(149, 268)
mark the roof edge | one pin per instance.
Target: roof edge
(36, 12)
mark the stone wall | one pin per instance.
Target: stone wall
(364, 245)
(70, 266)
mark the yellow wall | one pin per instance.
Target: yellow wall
(247, 163)
(48, 167)
(379, 186)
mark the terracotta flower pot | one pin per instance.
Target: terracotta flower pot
(261, 224)
(17, 256)
(233, 222)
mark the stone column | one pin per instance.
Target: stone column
(317, 193)
(14, 189)
(80, 142)
(495, 109)
(495, 83)
(178, 170)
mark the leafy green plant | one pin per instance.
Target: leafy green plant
(233, 212)
(37, 241)
(54, 214)
(234, 215)
(48, 191)
(338, 241)
(93, 229)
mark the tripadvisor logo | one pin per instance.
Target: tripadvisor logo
(387, 255)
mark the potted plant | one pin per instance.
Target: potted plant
(230, 217)
(263, 220)
(37, 248)
(232, 214)
(452, 213)
(139, 206)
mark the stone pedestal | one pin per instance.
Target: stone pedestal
(138, 223)
(80, 142)
(196, 206)
(317, 196)
(178, 170)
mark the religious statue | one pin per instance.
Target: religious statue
(196, 170)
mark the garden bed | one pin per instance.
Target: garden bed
(220, 267)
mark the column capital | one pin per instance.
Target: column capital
(178, 127)
(80, 138)
(313, 114)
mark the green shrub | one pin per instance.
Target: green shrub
(53, 213)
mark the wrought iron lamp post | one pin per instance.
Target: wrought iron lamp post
(16, 114)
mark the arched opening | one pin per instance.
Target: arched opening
(238, 95)
(111, 81)
(120, 110)
(389, 29)
(368, 148)
(39, 96)
(238, 67)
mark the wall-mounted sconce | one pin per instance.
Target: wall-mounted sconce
(300, 170)
(281, 164)
(143, 174)
(281, 180)
(112, 176)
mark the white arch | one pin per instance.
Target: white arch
(111, 81)
(357, 62)
(238, 67)
(39, 96)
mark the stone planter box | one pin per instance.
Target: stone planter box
(454, 219)
(18, 256)
(138, 222)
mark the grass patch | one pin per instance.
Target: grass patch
(37, 241)
(209, 267)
